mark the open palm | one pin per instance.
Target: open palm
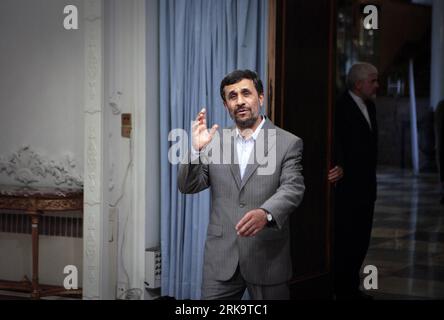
(201, 136)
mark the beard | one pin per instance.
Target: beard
(244, 123)
(371, 98)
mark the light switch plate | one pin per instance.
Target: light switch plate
(126, 125)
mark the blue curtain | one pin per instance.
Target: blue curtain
(200, 42)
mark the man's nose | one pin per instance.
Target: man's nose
(240, 100)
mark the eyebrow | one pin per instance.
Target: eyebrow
(241, 90)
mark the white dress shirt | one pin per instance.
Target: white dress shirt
(245, 146)
(361, 106)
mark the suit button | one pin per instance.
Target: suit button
(242, 205)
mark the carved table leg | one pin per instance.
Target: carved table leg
(35, 257)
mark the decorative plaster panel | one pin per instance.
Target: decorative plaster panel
(27, 167)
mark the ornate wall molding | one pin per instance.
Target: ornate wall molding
(94, 276)
(27, 167)
(115, 103)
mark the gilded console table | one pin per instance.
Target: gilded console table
(35, 202)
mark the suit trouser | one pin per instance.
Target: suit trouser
(234, 289)
(353, 226)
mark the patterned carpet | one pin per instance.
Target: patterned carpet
(407, 243)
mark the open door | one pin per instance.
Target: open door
(301, 98)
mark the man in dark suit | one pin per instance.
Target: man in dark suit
(439, 134)
(354, 177)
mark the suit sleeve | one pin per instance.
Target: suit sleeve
(193, 176)
(291, 190)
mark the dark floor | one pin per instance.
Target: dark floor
(407, 245)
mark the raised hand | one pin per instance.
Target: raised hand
(201, 136)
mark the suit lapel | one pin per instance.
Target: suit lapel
(372, 115)
(235, 170)
(230, 144)
(358, 113)
(267, 136)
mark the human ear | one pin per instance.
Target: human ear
(261, 100)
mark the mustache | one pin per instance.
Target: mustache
(242, 109)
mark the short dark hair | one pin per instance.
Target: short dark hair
(239, 75)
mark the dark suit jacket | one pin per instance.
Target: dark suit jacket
(439, 134)
(356, 151)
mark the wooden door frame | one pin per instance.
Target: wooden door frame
(276, 103)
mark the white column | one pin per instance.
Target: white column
(437, 63)
(93, 238)
(140, 143)
(152, 222)
(152, 125)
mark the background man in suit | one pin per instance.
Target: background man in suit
(356, 140)
(439, 134)
(248, 236)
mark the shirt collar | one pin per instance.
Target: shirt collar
(357, 99)
(255, 133)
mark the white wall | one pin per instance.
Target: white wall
(153, 129)
(152, 225)
(41, 79)
(41, 105)
(127, 90)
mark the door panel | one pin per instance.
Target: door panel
(301, 82)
